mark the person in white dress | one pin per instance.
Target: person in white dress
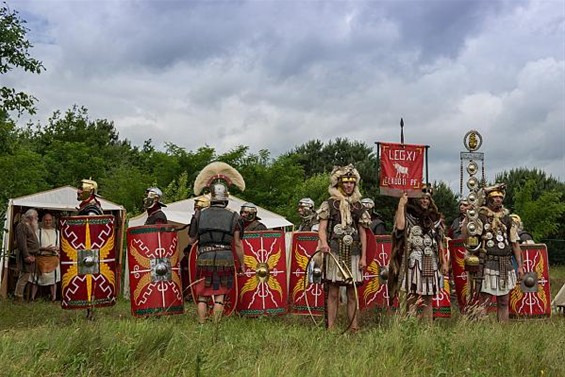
(48, 238)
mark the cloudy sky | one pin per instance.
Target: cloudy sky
(275, 74)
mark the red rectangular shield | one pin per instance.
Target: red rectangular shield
(88, 261)
(460, 277)
(401, 169)
(374, 291)
(532, 297)
(154, 269)
(309, 300)
(263, 287)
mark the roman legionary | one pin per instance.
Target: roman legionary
(417, 259)
(152, 203)
(377, 224)
(500, 240)
(251, 223)
(216, 229)
(455, 230)
(343, 220)
(309, 217)
(87, 195)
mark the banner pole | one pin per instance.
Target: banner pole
(378, 165)
(427, 178)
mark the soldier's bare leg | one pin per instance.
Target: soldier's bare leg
(332, 304)
(502, 313)
(218, 307)
(352, 312)
(202, 309)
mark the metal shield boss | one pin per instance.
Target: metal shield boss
(154, 271)
(88, 261)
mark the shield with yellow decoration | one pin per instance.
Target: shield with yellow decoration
(373, 294)
(230, 299)
(88, 261)
(531, 296)
(457, 253)
(306, 295)
(263, 287)
(154, 271)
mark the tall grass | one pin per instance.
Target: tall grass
(40, 339)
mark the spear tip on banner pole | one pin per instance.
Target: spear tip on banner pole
(401, 130)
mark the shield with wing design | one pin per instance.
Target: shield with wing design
(374, 292)
(531, 296)
(457, 253)
(88, 262)
(311, 295)
(154, 271)
(263, 286)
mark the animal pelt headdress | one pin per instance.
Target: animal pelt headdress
(339, 175)
(215, 175)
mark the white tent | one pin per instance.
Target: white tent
(181, 213)
(59, 199)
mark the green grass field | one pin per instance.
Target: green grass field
(40, 339)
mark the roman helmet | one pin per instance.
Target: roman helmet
(86, 189)
(201, 202)
(368, 203)
(216, 177)
(306, 207)
(249, 212)
(153, 197)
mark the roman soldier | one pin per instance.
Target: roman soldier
(417, 260)
(308, 215)
(343, 220)
(248, 213)
(216, 229)
(377, 224)
(87, 195)
(499, 241)
(152, 204)
(455, 230)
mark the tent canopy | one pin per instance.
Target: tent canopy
(60, 199)
(181, 213)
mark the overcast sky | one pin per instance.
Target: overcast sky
(276, 74)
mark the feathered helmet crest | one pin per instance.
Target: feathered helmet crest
(344, 174)
(217, 177)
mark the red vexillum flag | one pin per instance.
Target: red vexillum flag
(401, 169)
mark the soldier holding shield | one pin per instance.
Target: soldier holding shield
(216, 228)
(152, 203)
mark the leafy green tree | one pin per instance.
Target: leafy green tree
(178, 189)
(14, 54)
(539, 214)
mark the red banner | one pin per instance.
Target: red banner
(401, 169)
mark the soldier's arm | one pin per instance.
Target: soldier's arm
(238, 248)
(518, 255)
(323, 236)
(400, 216)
